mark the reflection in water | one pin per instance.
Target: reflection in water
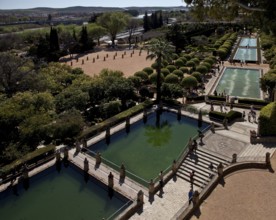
(158, 135)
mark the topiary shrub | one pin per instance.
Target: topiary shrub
(172, 78)
(142, 74)
(202, 69)
(184, 60)
(165, 72)
(267, 120)
(154, 65)
(196, 61)
(153, 77)
(253, 101)
(198, 76)
(179, 63)
(190, 63)
(209, 60)
(148, 70)
(178, 73)
(189, 82)
(171, 68)
(184, 69)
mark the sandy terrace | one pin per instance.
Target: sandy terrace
(246, 195)
(128, 65)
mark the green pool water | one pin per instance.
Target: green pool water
(55, 196)
(147, 149)
(240, 82)
(246, 54)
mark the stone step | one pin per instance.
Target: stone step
(210, 157)
(196, 182)
(200, 171)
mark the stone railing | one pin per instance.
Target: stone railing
(187, 212)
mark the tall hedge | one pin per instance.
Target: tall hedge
(267, 120)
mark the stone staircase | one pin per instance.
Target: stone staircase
(199, 162)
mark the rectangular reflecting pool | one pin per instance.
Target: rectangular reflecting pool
(149, 148)
(246, 54)
(240, 82)
(59, 195)
(248, 42)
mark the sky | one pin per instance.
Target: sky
(23, 4)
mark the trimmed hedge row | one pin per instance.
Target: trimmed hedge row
(95, 129)
(29, 158)
(253, 102)
(218, 98)
(267, 120)
(230, 116)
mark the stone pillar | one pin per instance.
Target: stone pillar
(98, 56)
(25, 173)
(195, 198)
(93, 60)
(174, 167)
(98, 158)
(110, 180)
(82, 62)
(107, 55)
(104, 59)
(71, 63)
(57, 156)
(151, 187)
(225, 123)
(122, 172)
(267, 159)
(190, 145)
(179, 114)
(122, 56)
(87, 58)
(140, 198)
(84, 143)
(213, 127)
(66, 155)
(220, 169)
(114, 57)
(212, 107)
(145, 116)
(107, 135)
(127, 124)
(234, 158)
(78, 148)
(86, 165)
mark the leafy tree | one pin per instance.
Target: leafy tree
(113, 22)
(172, 78)
(13, 69)
(189, 82)
(96, 32)
(177, 36)
(268, 82)
(146, 24)
(170, 90)
(160, 50)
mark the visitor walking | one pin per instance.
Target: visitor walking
(190, 195)
(192, 174)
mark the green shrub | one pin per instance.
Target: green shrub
(190, 63)
(253, 101)
(148, 70)
(197, 75)
(184, 69)
(184, 60)
(267, 120)
(196, 61)
(172, 78)
(179, 73)
(219, 98)
(202, 69)
(95, 129)
(171, 68)
(28, 159)
(179, 63)
(153, 77)
(142, 74)
(165, 72)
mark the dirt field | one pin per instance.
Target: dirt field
(128, 65)
(246, 195)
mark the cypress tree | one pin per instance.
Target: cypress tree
(54, 44)
(146, 22)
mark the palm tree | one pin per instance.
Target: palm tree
(161, 51)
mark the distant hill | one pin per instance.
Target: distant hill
(81, 9)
